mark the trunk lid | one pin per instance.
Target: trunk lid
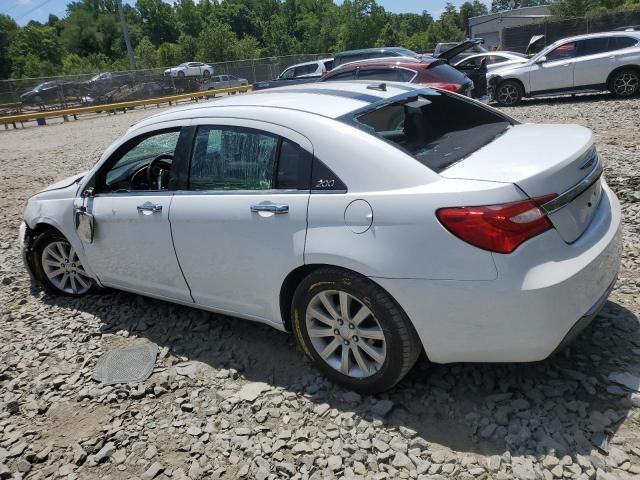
(543, 160)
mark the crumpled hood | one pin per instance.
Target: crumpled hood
(65, 182)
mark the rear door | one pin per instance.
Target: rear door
(594, 61)
(240, 226)
(557, 72)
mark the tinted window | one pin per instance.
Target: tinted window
(294, 167)
(305, 70)
(389, 74)
(444, 73)
(289, 73)
(437, 129)
(617, 43)
(563, 52)
(328, 64)
(593, 46)
(233, 158)
(405, 75)
(348, 75)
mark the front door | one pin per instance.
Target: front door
(132, 247)
(556, 73)
(240, 229)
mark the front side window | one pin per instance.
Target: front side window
(130, 171)
(289, 73)
(436, 128)
(618, 43)
(563, 52)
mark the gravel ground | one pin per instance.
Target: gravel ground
(233, 399)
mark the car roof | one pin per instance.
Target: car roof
(304, 63)
(368, 50)
(599, 35)
(332, 100)
(385, 60)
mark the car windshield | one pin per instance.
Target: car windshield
(436, 128)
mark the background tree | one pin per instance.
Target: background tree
(468, 10)
(7, 29)
(443, 30)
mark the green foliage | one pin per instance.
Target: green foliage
(146, 54)
(165, 33)
(444, 30)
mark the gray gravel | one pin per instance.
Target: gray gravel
(232, 399)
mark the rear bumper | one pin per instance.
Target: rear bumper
(543, 291)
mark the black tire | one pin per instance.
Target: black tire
(181, 74)
(40, 243)
(402, 343)
(625, 83)
(509, 93)
(206, 74)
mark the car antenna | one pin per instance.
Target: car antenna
(378, 86)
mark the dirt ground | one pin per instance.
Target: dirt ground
(233, 399)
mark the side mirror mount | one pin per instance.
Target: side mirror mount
(541, 60)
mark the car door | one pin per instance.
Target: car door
(596, 59)
(132, 247)
(240, 227)
(556, 73)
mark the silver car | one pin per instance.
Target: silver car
(586, 63)
(224, 81)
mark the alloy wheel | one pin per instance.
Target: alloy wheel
(345, 334)
(63, 268)
(508, 94)
(626, 84)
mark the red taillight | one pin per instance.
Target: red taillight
(497, 228)
(451, 87)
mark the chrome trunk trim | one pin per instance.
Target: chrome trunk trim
(569, 195)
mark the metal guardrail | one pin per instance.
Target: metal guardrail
(25, 117)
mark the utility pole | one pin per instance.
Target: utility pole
(127, 40)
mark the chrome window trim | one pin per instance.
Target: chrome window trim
(270, 191)
(569, 195)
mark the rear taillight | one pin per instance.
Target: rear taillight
(497, 228)
(451, 87)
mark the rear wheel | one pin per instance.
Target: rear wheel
(509, 93)
(625, 83)
(353, 330)
(57, 266)
(206, 73)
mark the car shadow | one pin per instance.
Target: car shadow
(564, 403)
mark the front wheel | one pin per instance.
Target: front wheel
(206, 74)
(181, 74)
(509, 93)
(57, 266)
(353, 330)
(625, 83)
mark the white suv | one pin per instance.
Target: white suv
(586, 63)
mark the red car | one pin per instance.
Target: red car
(428, 71)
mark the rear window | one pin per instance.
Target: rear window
(436, 128)
(445, 74)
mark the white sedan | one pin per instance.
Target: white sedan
(494, 60)
(190, 69)
(375, 221)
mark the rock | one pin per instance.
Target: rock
(400, 460)
(352, 397)
(487, 430)
(186, 407)
(79, 454)
(334, 462)
(407, 432)
(524, 472)
(23, 466)
(286, 468)
(321, 409)
(153, 471)
(251, 391)
(624, 378)
(382, 408)
(4, 472)
(43, 454)
(105, 452)
(493, 463)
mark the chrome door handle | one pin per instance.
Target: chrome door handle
(148, 208)
(270, 207)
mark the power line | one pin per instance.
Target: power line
(33, 9)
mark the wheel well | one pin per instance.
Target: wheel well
(625, 67)
(30, 235)
(519, 82)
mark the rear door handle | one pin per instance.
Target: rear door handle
(276, 208)
(148, 208)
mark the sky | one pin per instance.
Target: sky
(25, 10)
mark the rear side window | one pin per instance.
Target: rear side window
(305, 70)
(348, 75)
(294, 167)
(593, 46)
(389, 74)
(618, 43)
(436, 128)
(328, 64)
